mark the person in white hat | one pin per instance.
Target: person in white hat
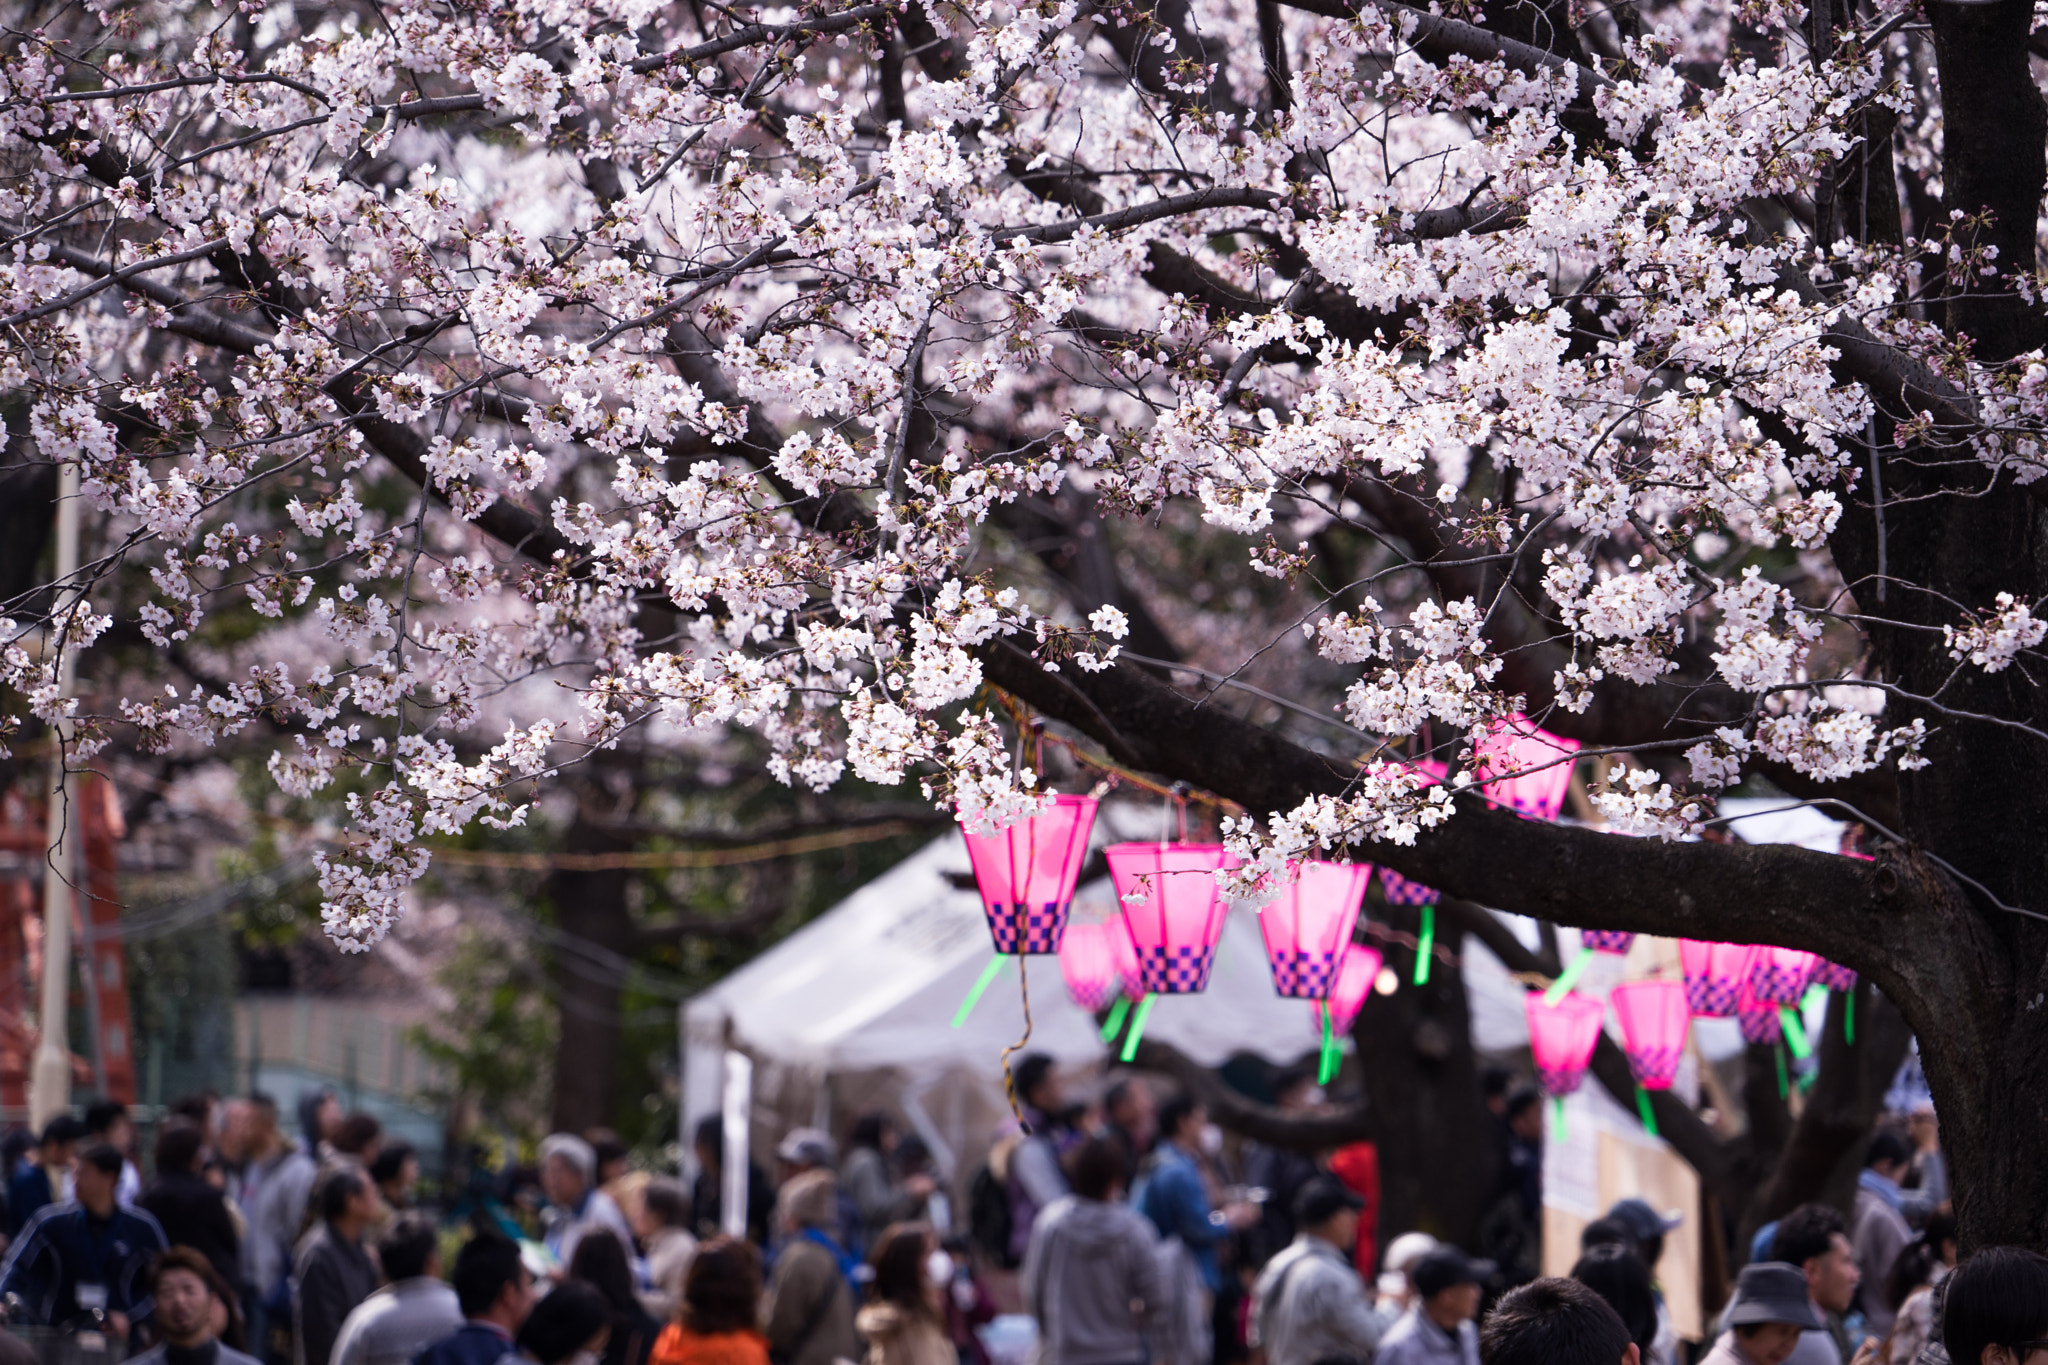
(568, 1176)
(1766, 1317)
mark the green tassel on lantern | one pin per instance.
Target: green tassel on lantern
(1331, 1059)
(1795, 1032)
(1568, 978)
(1649, 1115)
(1784, 1081)
(1849, 1016)
(975, 992)
(1557, 1118)
(1114, 1024)
(1425, 945)
(1138, 1018)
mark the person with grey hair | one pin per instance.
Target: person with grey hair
(810, 1298)
(568, 1176)
(663, 1224)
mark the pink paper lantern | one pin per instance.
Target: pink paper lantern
(1779, 976)
(1088, 964)
(1174, 910)
(1515, 744)
(1714, 975)
(1026, 874)
(1607, 941)
(1129, 975)
(1347, 993)
(1562, 1038)
(1759, 1022)
(1834, 976)
(1307, 929)
(1654, 1018)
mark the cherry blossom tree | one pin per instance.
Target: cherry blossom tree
(484, 384)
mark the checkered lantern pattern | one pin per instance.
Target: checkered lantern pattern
(1654, 1019)
(1779, 976)
(1834, 976)
(1026, 872)
(1173, 909)
(1044, 927)
(1400, 891)
(1714, 974)
(1307, 927)
(1179, 970)
(1760, 1025)
(1606, 941)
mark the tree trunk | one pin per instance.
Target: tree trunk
(1439, 1148)
(585, 971)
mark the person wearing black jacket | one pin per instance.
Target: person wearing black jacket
(333, 1272)
(191, 1211)
(86, 1255)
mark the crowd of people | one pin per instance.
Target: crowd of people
(1123, 1229)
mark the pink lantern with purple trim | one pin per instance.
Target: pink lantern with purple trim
(1174, 910)
(1562, 1038)
(1307, 929)
(1714, 975)
(1125, 954)
(1515, 744)
(1779, 976)
(1654, 1018)
(1759, 1022)
(1088, 964)
(1834, 976)
(1026, 874)
(1400, 891)
(1347, 993)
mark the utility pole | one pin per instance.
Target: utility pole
(49, 1091)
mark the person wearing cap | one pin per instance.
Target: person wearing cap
(1556, 1322)
(568, 1176)
(1309, 1304)
(810, 1298)
(1396, 1292)
(812, 1149)
(1438, 1329)
(1646, 1228)
(1766, 1317)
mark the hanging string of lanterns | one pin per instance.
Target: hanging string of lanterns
(1171, 912)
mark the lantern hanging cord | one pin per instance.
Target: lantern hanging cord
(1381, 933)
(1121, 775)
(1009, 1076)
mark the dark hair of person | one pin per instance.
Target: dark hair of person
(103, 1157)
(868, 1130)
(1918, 1258)
(407, 1246)
(1999, 1297)
(194, 1107)
(1520, 1098)
(722, 1288)
(1174, 1113)
(102, 1115)
(1806, 1232)
(1030, 1075)
(358, 1133)
(606, 1148)
(486, 1264)
(899, 1261)
(1096, 1168)
(178, 1145)
(600, 1261)
(1887, 1146)
(390, 1161)
(339, 1189)
(1552, 1322)
(668, 1201)
(563, 1322)
(911, 1156)
(1494, 1081)
(62, 1128)
(195, 1263)
(1118, 1092)
(710, 1136)
(1618, 1275)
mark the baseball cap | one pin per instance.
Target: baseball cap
(807, 1147)
(1772, 1291)
(1643, 1222)
(1446, 1268)
(1323, 1197)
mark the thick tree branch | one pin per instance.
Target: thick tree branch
(1261, 1122)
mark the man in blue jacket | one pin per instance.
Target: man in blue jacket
(1175, 1197)
(86, 1255)
(495, 1292)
